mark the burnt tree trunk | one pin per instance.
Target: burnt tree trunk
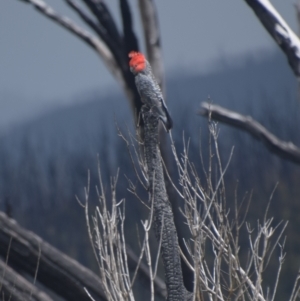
(60, 273)
(162, 213)
(14, 287)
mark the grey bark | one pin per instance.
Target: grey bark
(150, 24)
(286, 150)
(286, 39)
(162, 213)
(63, 275)
(14, 287)
(297, 7)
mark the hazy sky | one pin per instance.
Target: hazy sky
(43, 65)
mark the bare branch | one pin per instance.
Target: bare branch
(283, 149)
(102, 33)
(84, 35)
(103, 15)
(159, 285)
(296, 288)
(297, 7)
(57, 271)
(130, 40)
(15, 287)
(87, 19)
(210, 224)
(279, 30)
(152, 38)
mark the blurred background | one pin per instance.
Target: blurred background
(60, 105)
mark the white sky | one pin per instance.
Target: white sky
(42, 65)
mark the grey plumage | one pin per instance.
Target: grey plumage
(151, 94)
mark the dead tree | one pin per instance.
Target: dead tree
(16, 288)
(279, 30)
(110, 44)
(29, 254)
(219, 274)
(289, 42)
(113, 46)
(162, 213)
(32, 256)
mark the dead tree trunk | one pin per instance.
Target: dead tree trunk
(63, 275)
(162, 213)
(14, 287)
